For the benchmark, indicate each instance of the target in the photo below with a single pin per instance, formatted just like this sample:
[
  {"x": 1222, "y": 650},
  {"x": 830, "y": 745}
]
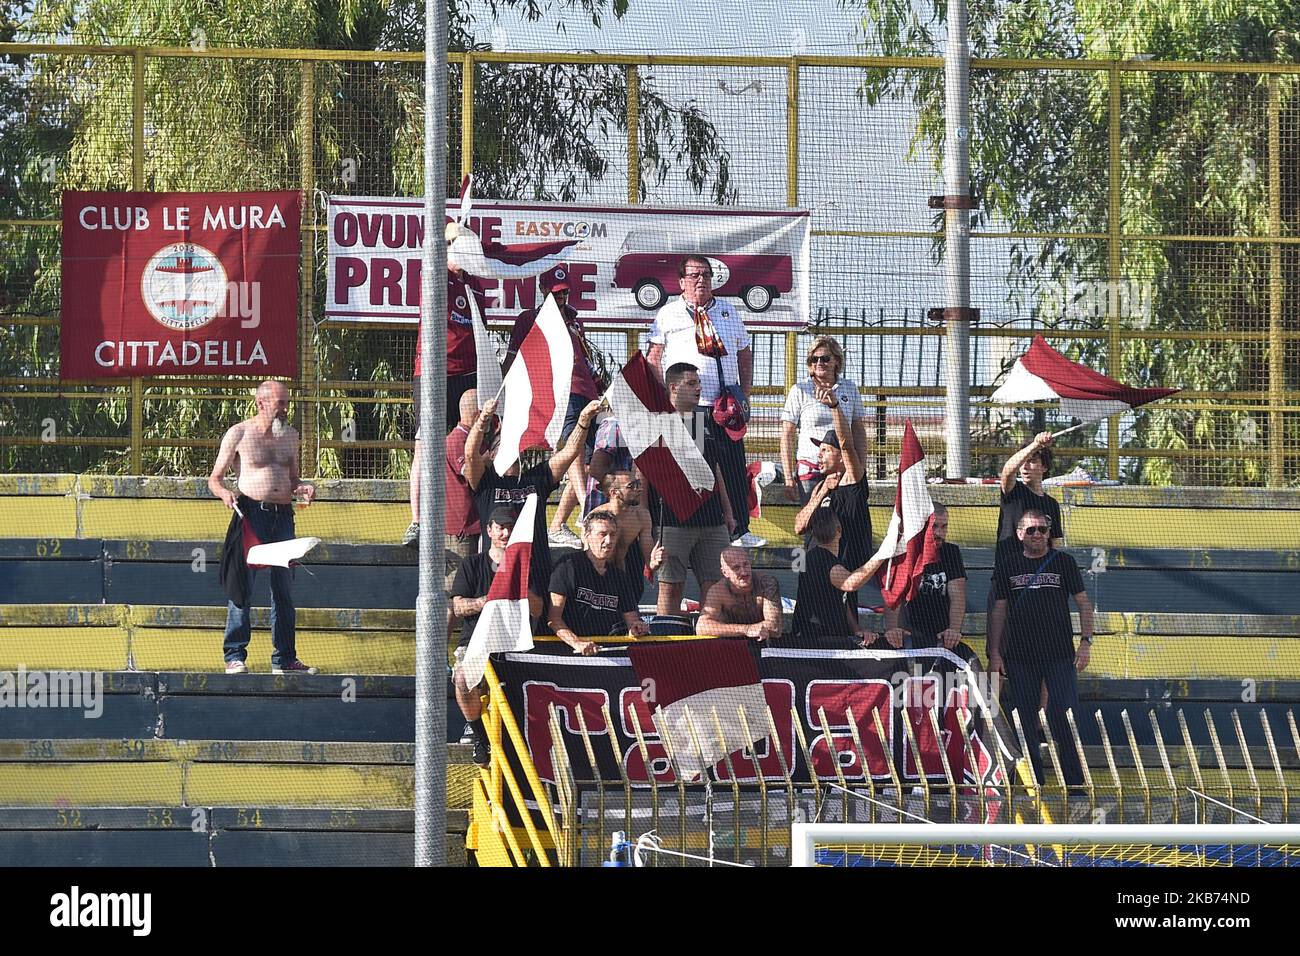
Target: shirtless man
[
  {"x": 742, "y": 604},
  {"x": 264, "y": 453},
  {"x": 634, "y": 543}
]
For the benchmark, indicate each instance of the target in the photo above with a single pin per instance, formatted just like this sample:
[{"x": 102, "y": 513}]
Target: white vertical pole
[{"x": 957, "y": 247}]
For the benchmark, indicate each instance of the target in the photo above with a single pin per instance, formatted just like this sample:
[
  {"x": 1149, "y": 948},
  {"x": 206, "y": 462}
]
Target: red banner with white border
[{"x": 179, "y": 284}]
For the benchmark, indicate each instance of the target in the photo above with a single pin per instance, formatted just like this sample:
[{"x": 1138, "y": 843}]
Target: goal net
[{"x": 1044, "y": 845}]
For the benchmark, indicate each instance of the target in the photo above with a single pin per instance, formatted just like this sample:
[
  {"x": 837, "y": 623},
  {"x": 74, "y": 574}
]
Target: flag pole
[{"x": 1072, "y": 428}]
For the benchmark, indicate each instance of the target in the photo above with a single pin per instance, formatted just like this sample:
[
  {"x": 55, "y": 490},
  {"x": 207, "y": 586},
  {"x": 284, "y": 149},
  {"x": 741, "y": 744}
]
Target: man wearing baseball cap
[
  {"x": 842, "y": 488},
  {"x": 582, "y": 390}
]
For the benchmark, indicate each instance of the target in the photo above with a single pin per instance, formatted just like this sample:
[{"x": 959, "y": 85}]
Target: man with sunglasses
[
  {"x": 1031, "y": 637},
  {"x": 707, "y": 332}
]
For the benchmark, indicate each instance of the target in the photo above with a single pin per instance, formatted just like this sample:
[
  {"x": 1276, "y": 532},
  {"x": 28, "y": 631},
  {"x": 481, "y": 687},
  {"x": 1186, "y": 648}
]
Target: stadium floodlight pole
[
  {"x": 956, "y": 164},
  {"x": 431, "y": 604}
]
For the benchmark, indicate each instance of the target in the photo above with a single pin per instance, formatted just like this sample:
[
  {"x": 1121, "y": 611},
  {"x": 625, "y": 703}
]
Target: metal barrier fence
[
  {"x": 730, "y": 821},
  {"x": 1155, "y": 242}
]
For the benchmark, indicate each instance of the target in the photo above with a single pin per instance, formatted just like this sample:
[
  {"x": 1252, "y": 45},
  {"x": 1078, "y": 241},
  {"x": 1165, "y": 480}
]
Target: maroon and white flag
[
  {"x": 494, "y": 260},
  {"x": 536, "y": 393},
  {"x": 657, "y": 438},
  {"x": 1044, "y": 374},
  {"x": 503, "y": 625},
  {"x": 698, "y": 690},
  {"x": 908, "y": 545}
]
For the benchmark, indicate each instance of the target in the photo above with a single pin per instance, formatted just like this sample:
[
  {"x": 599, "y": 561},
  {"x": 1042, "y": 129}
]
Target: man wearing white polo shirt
[{"x": 707, "y": 332}]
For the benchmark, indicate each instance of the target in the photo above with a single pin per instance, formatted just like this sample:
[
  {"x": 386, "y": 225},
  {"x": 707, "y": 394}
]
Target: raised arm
[
  {"x": 1012, "y": 467},
  {"x": 563, "y": 458},
  {"x": 824, "y": 487},
  {"x": 852, "y": 464},
  {"x": 475, "y": 463}
]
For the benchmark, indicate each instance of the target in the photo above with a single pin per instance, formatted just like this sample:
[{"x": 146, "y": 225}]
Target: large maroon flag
[
  {"x": 657, "y": 438},
  {"x": 1044, "y": 374},
  {"x": 909, "y": 545}
]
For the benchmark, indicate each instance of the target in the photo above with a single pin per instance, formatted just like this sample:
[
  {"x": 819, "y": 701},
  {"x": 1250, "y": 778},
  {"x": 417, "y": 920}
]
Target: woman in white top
[{"x": 804, "y": 418}]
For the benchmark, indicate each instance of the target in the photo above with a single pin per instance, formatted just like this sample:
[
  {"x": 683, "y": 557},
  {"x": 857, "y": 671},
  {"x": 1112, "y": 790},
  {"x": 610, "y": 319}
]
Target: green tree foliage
[
  {"x": 540, "y": 132},
  {"x": 1194, "y": 158}
]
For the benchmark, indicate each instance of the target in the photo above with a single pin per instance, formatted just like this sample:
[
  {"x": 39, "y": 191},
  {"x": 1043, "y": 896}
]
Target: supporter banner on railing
[
  {"x": 179, "y": 284},
  {"x": 849, "y": 687},
  {"x": 623, "y": 268}
]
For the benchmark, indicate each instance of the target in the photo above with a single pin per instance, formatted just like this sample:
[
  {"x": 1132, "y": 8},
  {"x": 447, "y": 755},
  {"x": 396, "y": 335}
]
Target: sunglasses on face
[
  {"x": 820, "y": 359},
  {"x": 694, "y": 276},
  {"x": 1036, "y": 529},
  {"x": 634, "y": 484}
]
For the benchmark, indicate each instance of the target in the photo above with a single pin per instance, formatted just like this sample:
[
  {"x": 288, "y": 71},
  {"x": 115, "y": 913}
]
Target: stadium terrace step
[
  {"x": 215, "y": 836},
  {"x": 90, "y": 506}
]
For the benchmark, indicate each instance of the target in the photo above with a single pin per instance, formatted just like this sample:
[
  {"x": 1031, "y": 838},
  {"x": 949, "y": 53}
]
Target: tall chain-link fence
[{"x": 1141, "y": 215}]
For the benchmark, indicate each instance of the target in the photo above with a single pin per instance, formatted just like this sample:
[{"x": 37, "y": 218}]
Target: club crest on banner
[{"x": 184, "y": 286}]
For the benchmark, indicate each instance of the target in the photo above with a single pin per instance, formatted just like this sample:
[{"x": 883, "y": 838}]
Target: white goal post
[{"x": 805, "y": 837}]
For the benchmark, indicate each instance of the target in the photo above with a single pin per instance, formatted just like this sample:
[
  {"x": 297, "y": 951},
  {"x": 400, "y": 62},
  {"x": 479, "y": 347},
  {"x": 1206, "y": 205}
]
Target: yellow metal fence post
[
  {"x": 1276, "y": 343},
  {"x": 137, "y": 183},
  {"x": 633, "y": 135},
  {"x": 467, "y": 116},
  {"x": 1114, "y": 348},
  {"x": 308, "y": 404}
]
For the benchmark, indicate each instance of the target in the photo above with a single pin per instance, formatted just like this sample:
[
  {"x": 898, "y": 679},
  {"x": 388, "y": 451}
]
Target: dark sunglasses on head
[
  {"x": 820, "y": 359},
  {"x": 1035, "y": 529}
]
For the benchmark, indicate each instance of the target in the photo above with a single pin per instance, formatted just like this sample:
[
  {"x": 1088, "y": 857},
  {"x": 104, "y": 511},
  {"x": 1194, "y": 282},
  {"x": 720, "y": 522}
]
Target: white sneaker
[
  {"x": 236, "y": 667},
  {"x": 564, "y": 538},
  {"x": 749, "y": 540}
]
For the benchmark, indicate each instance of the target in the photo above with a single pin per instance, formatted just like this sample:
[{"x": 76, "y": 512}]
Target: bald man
[
  {"x": 263, "y": 451},
  {"x": 461, "y": 527},
  {"x": 742, "y": 603}
]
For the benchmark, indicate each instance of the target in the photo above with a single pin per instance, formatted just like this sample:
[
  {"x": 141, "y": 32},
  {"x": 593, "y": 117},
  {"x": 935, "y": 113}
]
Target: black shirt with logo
[
  {"x": 494, "y": 490},
  {"x": 927, "y": 613},
  {"x": 1014, "y": 504},
  {"x": 594, "y": 603},
  {"x": 1038, "y": 626}
]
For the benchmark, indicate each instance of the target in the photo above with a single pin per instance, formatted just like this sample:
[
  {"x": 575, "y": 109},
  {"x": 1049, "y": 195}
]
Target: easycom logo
[{"x": 75, "y": 909}]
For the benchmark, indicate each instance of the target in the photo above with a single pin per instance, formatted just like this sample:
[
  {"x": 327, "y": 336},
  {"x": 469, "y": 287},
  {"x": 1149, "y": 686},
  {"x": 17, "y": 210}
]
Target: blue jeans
[{"x": 269, "y": 526}]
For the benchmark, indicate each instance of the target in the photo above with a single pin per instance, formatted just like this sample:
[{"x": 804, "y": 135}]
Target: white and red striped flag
[
  {"x": 1044, "y": 374},
  {"x": 536, "y": 393},
  {"x": 503, "y": 625},
  {"x": 697, "y": 690},
  {"x": 908, "y": 545},
  {"x": 657, "y": 438}
]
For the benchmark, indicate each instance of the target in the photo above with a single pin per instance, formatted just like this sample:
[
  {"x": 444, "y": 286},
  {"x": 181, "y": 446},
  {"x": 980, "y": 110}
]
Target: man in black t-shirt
[
  {"x": 1031, "y": 463},
  {"x": 843, "y": 489},
  {"x": 491, "y": 490},
  {"x": 824, "y": 614},
  {"x": 589, "y": 596},
  {"x": 1031, "y": 638},
  {"x": 934, "y": 617},
  {"x": 468, "y": 596}
]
